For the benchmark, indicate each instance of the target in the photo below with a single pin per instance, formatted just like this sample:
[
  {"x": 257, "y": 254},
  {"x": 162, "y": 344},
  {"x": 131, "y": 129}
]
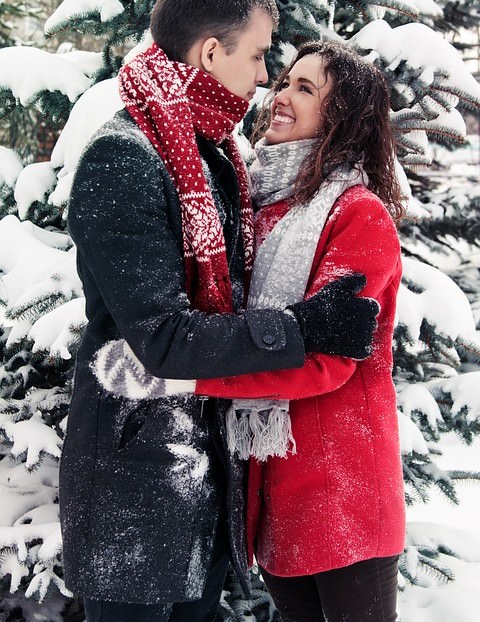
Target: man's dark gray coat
[{"x": 142, "y": 483}]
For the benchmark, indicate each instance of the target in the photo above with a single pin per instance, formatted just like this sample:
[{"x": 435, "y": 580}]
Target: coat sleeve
[
  {"x": 121, "y": 220},
  {"x": 362, "y": 239}
]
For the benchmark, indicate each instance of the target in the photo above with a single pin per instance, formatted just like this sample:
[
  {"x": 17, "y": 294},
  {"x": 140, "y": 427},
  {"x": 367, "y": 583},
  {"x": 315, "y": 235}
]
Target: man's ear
[{"x": 209, "y": 48}]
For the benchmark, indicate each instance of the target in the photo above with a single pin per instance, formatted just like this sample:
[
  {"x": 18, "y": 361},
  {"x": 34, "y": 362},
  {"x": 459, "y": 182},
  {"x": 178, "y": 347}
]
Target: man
[{"x": 161, "y": 218}]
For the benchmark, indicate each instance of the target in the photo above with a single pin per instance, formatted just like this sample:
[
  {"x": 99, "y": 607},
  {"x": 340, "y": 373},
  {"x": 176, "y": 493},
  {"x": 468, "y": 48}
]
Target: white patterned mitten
[{"x": 119, "y": 371}]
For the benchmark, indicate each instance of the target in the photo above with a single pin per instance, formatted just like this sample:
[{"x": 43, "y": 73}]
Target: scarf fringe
[{"x": 260, "y": 433}]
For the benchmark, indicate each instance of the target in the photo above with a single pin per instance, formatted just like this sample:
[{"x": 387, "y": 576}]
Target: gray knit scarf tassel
[{"x": 262, "y": 428}]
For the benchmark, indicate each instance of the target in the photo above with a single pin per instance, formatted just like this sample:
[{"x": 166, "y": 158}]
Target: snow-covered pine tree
[
  {"x": 26, "y": 130},
  {"x": 437, "y": 341},
  {"x": 42, "y": 311},
  {"x": 41, "y": 304}
]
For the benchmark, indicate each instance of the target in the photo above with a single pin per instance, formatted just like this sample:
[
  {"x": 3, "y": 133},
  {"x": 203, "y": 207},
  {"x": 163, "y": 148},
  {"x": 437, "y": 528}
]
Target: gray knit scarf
[
  {"x": 259, "y": 428},
  {"x": 275, "y": 168},
  {"x": 262, "y": 428}
]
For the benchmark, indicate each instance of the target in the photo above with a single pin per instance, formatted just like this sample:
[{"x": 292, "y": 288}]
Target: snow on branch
[
  {"x": 42, "y": 292},
  {"x": 431, "y": 296},
  {"x": 44, "y": 296},
  {"x": 412, "y": 8},
  {"x": 450, "y": 121},
  {"x": 44, "y": 576},
  {"x": 308, "y": 16},
  {"x": 31, "y": 437},
  {"x": 10, "y": 565},
  {"x": 28, "y": 71},
  {"x": 82, "y": 9},
  {"x": 55, "y": 239},
  {"x": 421, "y": 566},
  {"x": 94, "y": 108},
  {"x": 420, "y": 48},
  {"x": 413, "y": 148},
  {"x": 442, "y": 405},
  {"x": 18, "y": 554},
  {"x": 33, "y": 184},
  {"x": 24, "y": 493},
  {"x": 30, "y": 537},
  {"x": 411, "y": 439},
  {"x": 10, "y": 167},
  {"x": 26, "y": 261},
  {"x": 428, "y": 8},
  {"x": 440, "y": 537},
  {"x": 421, "y": 475},
  {"x": 418, "y": 405},
  {"x": 448, "y": 128},
  {"x": 463, "y": 393},
  {"x": 57, "y": 331},
  {"x": 429, "y": 79},
  {"x": 43, "y": 400}
]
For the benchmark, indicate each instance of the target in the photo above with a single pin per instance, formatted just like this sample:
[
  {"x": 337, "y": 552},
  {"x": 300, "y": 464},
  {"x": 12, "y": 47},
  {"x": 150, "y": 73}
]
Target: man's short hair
[{"x": 177, "y": 24}]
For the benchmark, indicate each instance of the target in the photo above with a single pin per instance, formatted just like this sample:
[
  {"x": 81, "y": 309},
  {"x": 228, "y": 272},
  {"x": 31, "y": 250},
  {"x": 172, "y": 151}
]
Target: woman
[
  {"x": 325, "y": 513},
  {"x": 327, "y": 523}
]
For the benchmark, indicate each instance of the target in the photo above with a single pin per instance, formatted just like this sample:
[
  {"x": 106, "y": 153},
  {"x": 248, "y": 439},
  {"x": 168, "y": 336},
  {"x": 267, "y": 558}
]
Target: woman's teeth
[{"x": 279, "y": 118}]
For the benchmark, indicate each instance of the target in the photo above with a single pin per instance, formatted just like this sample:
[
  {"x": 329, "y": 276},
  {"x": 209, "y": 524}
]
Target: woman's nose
[{"x": 283, "y": 96}]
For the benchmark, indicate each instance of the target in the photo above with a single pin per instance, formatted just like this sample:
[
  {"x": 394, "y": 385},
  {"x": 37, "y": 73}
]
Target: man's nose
[{"x": 262, "y": 74}]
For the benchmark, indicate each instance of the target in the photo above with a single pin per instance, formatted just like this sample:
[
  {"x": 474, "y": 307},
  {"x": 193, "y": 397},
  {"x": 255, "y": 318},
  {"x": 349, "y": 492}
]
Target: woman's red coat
[{"x": 340, "y": 498}]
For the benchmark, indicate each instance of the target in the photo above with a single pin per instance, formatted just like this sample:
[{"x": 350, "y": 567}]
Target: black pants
[
  {"x": 362, "y": 592},
  {"x": 202, "y": 610}
]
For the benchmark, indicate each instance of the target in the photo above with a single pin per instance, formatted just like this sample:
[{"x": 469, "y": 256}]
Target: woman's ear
[{"x": 209, "y": 48}]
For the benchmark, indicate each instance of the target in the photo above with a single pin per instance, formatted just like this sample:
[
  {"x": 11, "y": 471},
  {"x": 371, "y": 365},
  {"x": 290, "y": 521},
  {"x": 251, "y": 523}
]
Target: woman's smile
[{"x": 282, "y": 119}]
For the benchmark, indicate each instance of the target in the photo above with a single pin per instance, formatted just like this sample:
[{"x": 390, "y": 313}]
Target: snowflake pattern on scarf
[{"x": 171, "y": 102}]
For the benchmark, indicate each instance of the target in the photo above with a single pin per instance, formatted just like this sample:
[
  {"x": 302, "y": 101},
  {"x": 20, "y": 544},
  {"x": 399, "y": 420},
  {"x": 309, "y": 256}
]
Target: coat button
[{"x": 269, "y": 340}]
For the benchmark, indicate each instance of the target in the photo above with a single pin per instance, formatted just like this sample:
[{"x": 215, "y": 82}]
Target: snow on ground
[
  {"x": 458, "y": 601},
  {"x": 439, "y": 519}
]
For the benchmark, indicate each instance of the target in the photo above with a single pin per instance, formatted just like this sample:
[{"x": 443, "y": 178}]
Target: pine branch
[
  {"x": 468, "y": 477},
  {"x": 422, "y": 559},
  {"x": 420, "y": 474},
  {"x": 39, "y": 306}
]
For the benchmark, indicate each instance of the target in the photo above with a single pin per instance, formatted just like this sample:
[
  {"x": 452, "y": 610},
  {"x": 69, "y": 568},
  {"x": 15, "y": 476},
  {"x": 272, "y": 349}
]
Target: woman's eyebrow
[{"x": 306, "y": 80}]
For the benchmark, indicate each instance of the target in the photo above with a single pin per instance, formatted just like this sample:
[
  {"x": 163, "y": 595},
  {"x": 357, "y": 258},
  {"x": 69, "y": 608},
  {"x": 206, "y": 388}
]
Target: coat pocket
[
  {"x": 152, "y": 493},
  {"x": 132, "y": 426},
  {"x": 131, "y": 430},
  {"x": 139, "y": 437}
]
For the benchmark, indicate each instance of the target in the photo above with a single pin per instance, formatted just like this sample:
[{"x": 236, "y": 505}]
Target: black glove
[{"x": 336, "y": 321}]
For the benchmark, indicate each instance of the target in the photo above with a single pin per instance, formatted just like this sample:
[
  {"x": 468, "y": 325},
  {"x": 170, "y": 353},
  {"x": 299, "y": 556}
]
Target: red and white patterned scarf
[{"x": 171, "y": 102}]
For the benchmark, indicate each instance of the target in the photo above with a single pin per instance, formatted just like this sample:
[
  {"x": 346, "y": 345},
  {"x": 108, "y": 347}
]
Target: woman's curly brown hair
[{"x": 356, "y": 125}]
